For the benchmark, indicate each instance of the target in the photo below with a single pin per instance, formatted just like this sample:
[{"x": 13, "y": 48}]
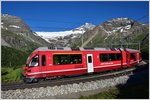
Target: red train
[{"x": 45, "y": 62}]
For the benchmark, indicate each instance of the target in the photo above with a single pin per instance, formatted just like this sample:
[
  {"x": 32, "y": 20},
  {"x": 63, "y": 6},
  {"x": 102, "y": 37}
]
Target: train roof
[{"x": 83, "y": 49}]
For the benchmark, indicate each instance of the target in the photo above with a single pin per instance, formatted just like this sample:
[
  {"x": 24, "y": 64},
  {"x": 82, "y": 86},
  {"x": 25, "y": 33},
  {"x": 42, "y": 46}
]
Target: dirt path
[{"x": 89, "y": 39}]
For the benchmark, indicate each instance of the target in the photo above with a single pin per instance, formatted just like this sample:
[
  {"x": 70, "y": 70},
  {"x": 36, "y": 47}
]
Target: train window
[
  {"x": 132, "y": 56},
  {"x": 67, "y": 59},
  {"x": 110, "y": 57},
  {"x": 75, "y": 59},
  {"x": 89, "y": 59},
  {"x": 43, "y": 60},
  {"x": 118, "y": 56},
  {"x": 103, "y": 57},
  {"x": 34, "y": 61}
]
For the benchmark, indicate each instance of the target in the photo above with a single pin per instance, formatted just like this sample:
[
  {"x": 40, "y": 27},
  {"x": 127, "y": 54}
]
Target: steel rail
[{"x": 76, "y": 79}]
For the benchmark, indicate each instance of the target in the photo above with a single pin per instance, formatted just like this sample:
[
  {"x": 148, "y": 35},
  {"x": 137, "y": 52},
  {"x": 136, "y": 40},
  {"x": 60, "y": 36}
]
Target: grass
[
  {"x": 137, "y": 91},
  {"x": 11, "y": 75}
]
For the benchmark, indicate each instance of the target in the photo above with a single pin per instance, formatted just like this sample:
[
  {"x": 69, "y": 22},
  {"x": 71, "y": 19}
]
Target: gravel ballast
[
  {"x": 62, "y": 89},
  {"x": 75, "y": 88}
]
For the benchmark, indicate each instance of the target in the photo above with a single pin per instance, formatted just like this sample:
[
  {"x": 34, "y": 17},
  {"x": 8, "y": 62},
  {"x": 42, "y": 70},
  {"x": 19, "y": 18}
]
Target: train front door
[{"x": 89, "y": 63}]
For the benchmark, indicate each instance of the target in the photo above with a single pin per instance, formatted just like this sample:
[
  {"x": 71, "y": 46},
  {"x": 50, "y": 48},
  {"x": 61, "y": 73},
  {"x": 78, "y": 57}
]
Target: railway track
[{"x": 77, "y": 79}]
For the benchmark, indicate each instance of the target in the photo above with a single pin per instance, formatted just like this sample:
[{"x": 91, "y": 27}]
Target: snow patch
[
  {"x": 118, "y": 28},
  {"x": 35, "y": 34},
  {"x": 114, "y": 30},
  {"x": 128, "y": 27},
  {"x": 14, "y": 26},
  {"x": 48, "y": 40},
  {"x": 5, "y": 15},
  {"x": 121, "y": 30},
  {"x": 58, "y": 34},
  {"x": 122, "y": 18},
  {"x": 4, "y": 27},
  {"x": 74, "y": 37},
  {"x": 109, "y": 24}
]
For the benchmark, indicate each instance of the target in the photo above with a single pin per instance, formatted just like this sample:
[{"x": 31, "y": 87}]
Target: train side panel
[
  {"x": 63, "y": 63},
  {"x": 53, "y": 69},
  {"x": 109, "y": 64}
]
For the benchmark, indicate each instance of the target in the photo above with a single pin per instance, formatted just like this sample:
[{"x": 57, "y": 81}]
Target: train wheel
[
  {"x": 28, "y": 80},
  {"x": 35, "y": 80}
]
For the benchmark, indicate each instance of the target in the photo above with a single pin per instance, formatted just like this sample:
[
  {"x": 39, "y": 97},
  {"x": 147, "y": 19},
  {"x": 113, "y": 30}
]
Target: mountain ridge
[
  {"x": 17, "y": 34},
  {"x": 113, "y": 31}
]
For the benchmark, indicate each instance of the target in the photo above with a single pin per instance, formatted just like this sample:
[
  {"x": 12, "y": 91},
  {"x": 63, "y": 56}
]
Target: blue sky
[{"x": 60, "y": 16}]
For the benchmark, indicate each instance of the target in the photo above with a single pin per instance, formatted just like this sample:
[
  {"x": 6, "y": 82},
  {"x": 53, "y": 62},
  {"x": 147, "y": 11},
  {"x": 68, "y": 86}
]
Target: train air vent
[
  {"x": 75, "y": 48},
  {"x": 89, "y": 48},
  {"x": 112, "y": 49},
  {"x": 63, "y": 48},
  {"x": 51, "y": 48},
  {"x": 41, "y": 48},
  {"x": 99, "y": 48}
]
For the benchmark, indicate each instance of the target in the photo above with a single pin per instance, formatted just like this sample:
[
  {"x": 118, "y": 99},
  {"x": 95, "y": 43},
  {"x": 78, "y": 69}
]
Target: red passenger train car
[{"x": 46, "y": 63}]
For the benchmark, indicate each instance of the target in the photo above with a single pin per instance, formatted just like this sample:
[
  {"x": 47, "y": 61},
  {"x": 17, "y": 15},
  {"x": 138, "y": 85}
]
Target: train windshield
[{"x": 34, "y": 61}]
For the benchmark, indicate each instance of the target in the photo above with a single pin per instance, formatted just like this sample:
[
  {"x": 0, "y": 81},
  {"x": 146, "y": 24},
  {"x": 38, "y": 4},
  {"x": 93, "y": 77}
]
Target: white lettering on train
[{"x": 107, "y": 63}]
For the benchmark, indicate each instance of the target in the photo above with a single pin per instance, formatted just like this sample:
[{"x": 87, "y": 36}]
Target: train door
[
  {"x": 89, "y": 63},
  {"x": 43, "y": 64}
]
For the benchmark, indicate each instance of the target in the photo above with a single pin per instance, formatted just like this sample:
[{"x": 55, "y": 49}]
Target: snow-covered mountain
[
  {"x": 53, "y": 35},
  {"x": 114, "y": 31},
  {"x": 79, "y": 30},
  {"x": 62, "y": 38}
]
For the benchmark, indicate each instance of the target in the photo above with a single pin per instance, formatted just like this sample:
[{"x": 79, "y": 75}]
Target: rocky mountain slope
[
  {"x": 17, "y": 34},
  {"x": 114, "y": 31}
]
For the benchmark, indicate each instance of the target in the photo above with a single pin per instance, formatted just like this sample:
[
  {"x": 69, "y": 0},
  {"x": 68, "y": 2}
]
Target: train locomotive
[{"x": 47, "y": 63}]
